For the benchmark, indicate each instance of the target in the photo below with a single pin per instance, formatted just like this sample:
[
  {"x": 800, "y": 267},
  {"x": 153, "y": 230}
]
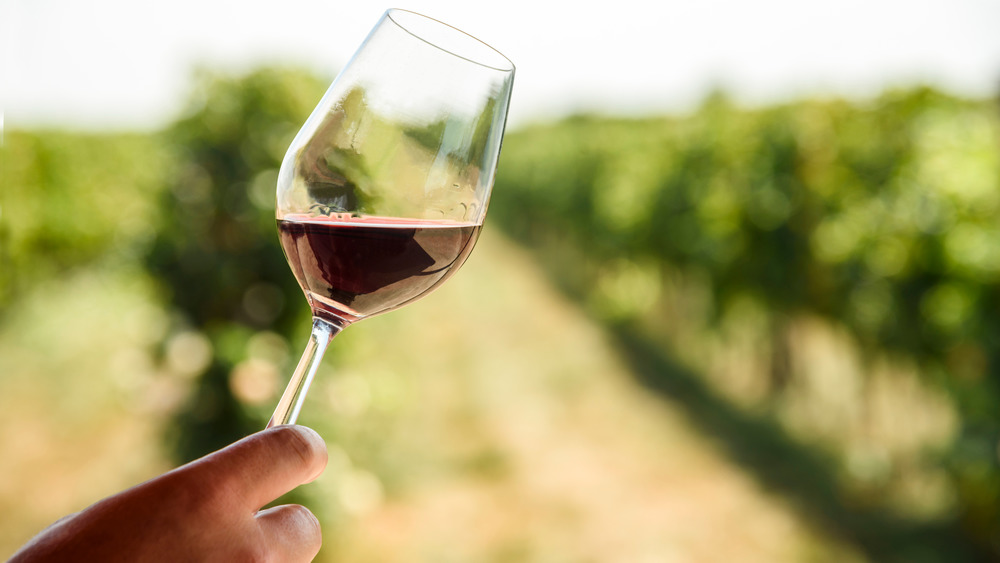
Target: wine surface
[{"x": 355, "y": 267}]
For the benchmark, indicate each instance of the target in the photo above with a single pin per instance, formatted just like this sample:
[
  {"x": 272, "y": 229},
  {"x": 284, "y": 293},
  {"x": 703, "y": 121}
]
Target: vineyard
[{"x": 786, "y": 319}]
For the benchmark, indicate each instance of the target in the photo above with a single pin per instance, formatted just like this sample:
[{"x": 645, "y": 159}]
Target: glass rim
[{"x": 396, "y": 15}]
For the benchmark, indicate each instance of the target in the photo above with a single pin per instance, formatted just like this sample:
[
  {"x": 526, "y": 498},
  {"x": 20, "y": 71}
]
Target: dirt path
[
  {"x": 490, "y": 422},
  {"x": 536, "y": 445}
]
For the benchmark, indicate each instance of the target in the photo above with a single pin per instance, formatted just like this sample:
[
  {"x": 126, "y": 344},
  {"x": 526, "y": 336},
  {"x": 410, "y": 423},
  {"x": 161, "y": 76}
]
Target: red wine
[{"x": 355, "y": 267}]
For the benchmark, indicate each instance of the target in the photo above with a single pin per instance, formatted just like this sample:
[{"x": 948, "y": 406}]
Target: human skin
[{"x": 207, "y": 510}]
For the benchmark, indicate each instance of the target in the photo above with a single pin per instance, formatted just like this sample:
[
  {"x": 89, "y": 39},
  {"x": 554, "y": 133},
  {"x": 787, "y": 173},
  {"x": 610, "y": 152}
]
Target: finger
[
  {"x": 292, "y": 531},
  {"x": 265, "y": 465}
]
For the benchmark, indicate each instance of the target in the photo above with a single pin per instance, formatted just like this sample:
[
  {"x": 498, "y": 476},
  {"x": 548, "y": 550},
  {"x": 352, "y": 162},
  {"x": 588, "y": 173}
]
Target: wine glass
[{"x": 383, "y": 192}]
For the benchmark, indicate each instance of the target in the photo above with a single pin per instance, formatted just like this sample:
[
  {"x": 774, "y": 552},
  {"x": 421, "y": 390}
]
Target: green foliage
[
  {"x": 881, "y": 217},
  {"x": 216, "y": 250},
  {"x": 71, "y": 199}
]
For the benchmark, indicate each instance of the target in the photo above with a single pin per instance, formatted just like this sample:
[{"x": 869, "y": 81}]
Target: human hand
[{"x": 207, "y": 510}]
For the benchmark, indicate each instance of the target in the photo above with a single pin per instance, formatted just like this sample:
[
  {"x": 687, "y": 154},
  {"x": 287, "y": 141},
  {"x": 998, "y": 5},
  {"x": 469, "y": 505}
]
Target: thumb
[{"x": 266, "y": 465}]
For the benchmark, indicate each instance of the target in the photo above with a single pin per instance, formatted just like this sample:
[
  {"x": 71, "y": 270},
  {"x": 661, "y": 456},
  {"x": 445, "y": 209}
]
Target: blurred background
[{"x": 737, "y": 298}]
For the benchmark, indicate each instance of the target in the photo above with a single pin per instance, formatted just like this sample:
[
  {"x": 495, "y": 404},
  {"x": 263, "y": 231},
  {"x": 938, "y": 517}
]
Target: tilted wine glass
[{"x": 383, "y": 192}]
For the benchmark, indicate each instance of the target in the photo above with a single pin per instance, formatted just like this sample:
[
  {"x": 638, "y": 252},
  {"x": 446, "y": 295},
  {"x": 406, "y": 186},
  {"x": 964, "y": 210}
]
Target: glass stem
[{"x": 288, "y": 408}]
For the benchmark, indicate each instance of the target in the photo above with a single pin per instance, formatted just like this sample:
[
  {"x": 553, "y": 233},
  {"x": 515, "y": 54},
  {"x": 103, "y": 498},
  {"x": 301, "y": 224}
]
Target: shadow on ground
[{"x": 785, "y": 466}]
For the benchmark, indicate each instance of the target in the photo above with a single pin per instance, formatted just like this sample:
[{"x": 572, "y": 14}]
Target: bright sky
[{"x": 126, "y": 63}]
